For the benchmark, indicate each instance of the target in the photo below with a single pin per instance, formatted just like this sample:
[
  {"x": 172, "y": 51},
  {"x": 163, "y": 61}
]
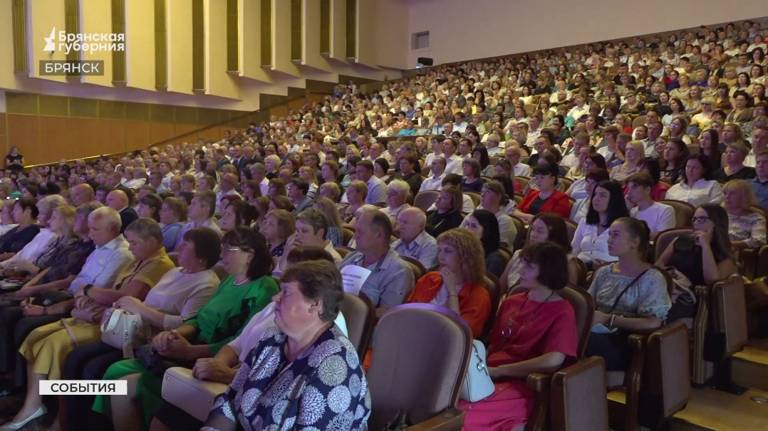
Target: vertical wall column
[{"x": 179, "y": 49}]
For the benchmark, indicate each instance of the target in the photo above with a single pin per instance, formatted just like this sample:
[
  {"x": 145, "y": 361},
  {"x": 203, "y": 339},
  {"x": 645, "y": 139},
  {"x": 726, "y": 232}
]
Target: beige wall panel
[
  {"x": 96, "y": 17},
  {"x": 249, "y": 42},
  {"x": 281, "y": 38},
  {"x": 140, "y": 44},
  {"x": 497, "y": 27},
  {"x": 7, "y": 78},
  {"x": 42, "y": 17},
  {"x": 179, "y": 33},
  {"x": 338, "y": 30},
  {"x": 366, "y": 17},
  {"x": 310, "y": 33},
  {"x": 217, "y": 81}
]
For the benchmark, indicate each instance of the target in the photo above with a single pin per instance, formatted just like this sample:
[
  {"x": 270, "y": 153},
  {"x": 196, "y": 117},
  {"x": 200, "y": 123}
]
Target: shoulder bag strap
[{"x": 616, "y": 302}]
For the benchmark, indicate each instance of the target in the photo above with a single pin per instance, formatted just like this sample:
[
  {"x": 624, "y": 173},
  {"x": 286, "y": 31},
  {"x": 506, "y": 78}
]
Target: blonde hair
[
  {"x": 745, "y": 188},
  {"x": 328, "y": 207},
  {"x": 470, "y": 253},
  {"x": 67, "y": 212}
]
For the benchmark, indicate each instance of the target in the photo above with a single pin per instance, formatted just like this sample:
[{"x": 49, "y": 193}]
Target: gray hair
[
  {"x": 400, "y": 186},
  {"x": 51, "y": 202},
  {"x": 111, "y": 216},
  {"x": 87, "y": 208},
  {"x": 146, "y": 228}
]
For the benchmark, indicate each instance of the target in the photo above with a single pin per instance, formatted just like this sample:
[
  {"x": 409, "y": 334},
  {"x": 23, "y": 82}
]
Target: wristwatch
[{"x": 86, "y": 288}]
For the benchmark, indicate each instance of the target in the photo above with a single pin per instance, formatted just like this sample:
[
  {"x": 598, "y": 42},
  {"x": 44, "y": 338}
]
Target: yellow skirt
[{"x": 47, "y": 347}]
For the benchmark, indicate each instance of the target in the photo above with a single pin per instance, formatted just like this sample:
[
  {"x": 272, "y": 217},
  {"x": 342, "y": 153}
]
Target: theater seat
[
  {"x": 683, "y": 212},
  {"x": 664, "y": 238},
  {"x": 584, "y": 309},
  {"x": 660, "y": 371},
  {"x": 425, "y": 199},
  {"x": 417, "y": 267},
  {"x": 194, "y": 396},
  {"x": 360, "y": 318},
  {"x": 412, "y": 379},
  {"x": 578, "y": 397}
]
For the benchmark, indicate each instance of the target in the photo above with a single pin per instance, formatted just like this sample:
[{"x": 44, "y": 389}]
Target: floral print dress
[{"x": 324, "y": 388}]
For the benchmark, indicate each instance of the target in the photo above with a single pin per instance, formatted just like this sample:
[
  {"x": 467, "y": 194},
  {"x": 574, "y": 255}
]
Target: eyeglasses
[
  {"x": 233, "y": 249},
  {"x": 699, "y": 219}
]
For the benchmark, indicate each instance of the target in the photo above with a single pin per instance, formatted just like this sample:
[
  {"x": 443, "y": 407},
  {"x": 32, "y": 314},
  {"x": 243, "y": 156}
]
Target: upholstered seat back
[{"x": 420, "y": 356}]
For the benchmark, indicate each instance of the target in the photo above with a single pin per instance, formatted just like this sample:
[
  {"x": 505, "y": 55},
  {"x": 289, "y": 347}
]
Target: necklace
[{"x": 512, "y": 327}]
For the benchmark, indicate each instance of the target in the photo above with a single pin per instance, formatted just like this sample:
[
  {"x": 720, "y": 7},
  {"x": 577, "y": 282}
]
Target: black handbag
[{"x": 153, "y": 361}]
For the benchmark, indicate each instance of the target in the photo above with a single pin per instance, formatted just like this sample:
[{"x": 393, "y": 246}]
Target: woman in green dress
[{"x": 248, "y": 288}]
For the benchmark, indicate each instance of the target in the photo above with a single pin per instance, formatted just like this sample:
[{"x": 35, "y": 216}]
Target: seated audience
[
  {"x": 334, "y": 232},
  {"x": 25, "y": 214},
  {"x": 494, "y": 199},
  {"x": 173, "y": 213},
  {"x": 659, "y": 217},
  {"x": 485, "y": 226},
  {"x": 546, "y": 198},
  {"x": 447, "y": 212},
  {"x": 746, "y": 223},
  {"x": 650, "y": 166},
  {"x": 277, "y": 227},
  {"x": 590, "y": 241},
  {"x": 391, "y": 278},
  {"x": 733, "y": 168},
  {"x": 397, "y": 199},
  {"x": 630, "y": 295},
  {"x": 534, "y": 331},
  {"x": 46, "y": 347},
  {"x": 695, "y": 187},
  {"x": 248, "y": 288},
  {"x": 413, "y": 241},
  {"x": 356, "y": 196},
  {"x": 698, "y": 259},
  {"x": 200, "y": 214},
  {"x": 760, "y": 182},
  {"x": 304, "y": 343},
  {"x": 176, "y": 298},
  {"x": 544, "y": 227},
  {"x": 458, "y": 281},
  {"x": 634, "y": 154}
]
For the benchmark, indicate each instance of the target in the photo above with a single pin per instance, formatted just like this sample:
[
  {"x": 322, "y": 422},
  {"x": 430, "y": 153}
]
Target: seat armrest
[
  {"x": 447, "y": 420},
  {"x": 700, "y": 328},
  {"x": 538, "y": 382}
]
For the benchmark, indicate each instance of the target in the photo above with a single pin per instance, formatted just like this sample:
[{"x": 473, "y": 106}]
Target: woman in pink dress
[{"x": 535, "y": 331}]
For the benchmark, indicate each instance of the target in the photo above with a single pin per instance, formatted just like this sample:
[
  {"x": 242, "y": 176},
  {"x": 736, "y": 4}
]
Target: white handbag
[
  {"x": 122, "y": 330},
  {"x": 477, "y": 383}
]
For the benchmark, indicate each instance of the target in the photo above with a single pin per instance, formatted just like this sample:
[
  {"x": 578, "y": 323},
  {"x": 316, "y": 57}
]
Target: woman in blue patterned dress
[{"x": 304, "y": 374}]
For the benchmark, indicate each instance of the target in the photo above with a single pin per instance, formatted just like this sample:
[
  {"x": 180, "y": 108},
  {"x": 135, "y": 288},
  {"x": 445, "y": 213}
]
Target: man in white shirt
[
  {"x": 513, "y": 154},
  {"x": 259, "y": 174},
  {"x": 414, "y": 242},
  {"x": 759, "y": 144},
  {"x": 111, "y": 254},
  {"x": 453, "y": 162},
  {"x": 659, "y": 217},
  {"x": 581, "y": 107},
  {"x": 437, "y": 171}
]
